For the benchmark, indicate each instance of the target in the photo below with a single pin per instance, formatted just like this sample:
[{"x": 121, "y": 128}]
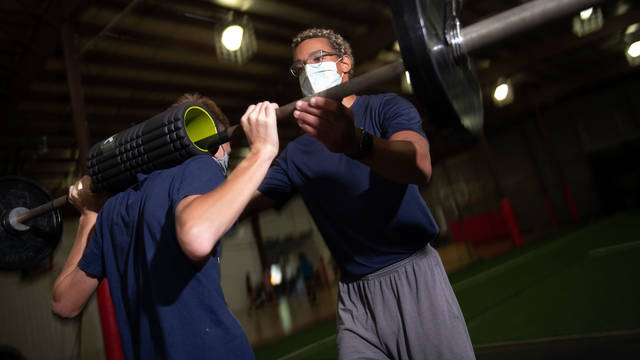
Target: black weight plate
[
  {"x": 445, "y": 85},
  {"x": 21, "y": 250}
]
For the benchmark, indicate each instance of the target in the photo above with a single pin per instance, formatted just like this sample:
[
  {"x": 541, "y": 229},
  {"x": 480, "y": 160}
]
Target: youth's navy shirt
[
  {"x": 166, "y": 307},
  {"x": 367, "y": 221}
]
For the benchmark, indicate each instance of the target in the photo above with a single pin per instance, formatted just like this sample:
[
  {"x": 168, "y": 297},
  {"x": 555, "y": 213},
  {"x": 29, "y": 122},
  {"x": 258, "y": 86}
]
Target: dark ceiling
[{"x": 137, "y": 57}]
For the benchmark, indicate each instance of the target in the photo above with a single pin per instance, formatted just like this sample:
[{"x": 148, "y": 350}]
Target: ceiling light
[
  {"x": 632, "y": 44},
  {"x": 232, "y": 37},
  {"x": 503, "y": 93},
  {"x": 585, "y": 14},
  {"x": 621, "y": 8},
  {"x": 235, "y": 39},
  {"x": 588, "y": 21},
  {"x": 634, "y": 49}
]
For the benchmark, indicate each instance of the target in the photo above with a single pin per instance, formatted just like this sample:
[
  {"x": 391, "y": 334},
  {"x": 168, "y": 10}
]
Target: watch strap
[{"x": 365, "y": 140}]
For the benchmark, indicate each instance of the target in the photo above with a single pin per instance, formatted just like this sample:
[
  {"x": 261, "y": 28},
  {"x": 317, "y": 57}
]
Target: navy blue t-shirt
[
  {"x": 165, "y": 306},
  {"x": 367, "y": 221}
]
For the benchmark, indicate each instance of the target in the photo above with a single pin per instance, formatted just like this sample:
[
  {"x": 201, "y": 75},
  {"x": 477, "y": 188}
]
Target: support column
[
  {"x": 257, "y": 235},
  {"x": 76, "y": 95},
  {"x": 538, "y": 170},
  {"x": 110, "y": 333},
  {"x": 555, "y": 164},
  {"x": 505, "y": 205},
  {"x": 459, "y": 214}
]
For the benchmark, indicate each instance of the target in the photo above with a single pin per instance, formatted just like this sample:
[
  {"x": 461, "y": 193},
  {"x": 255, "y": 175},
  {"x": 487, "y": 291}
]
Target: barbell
[{"x": 435, "y": 51}]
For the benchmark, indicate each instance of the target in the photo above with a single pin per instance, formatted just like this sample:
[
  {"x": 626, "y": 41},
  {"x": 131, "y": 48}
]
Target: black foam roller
[{"x": 157, "y": 143}]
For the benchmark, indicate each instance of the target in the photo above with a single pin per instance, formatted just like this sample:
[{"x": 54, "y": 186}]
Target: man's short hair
[
  {"x": 337, "y": 42},
  {"x": 211, "y": 105}
]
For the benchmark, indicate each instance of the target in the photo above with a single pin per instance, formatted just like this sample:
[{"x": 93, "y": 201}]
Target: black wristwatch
[{"x": 366, "y": 142}]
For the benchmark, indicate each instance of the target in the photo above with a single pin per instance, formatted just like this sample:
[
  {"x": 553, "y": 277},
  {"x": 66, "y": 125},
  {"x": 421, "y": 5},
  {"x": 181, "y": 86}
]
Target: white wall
[
  {"x": 26, "y": 321},
  {"x": 240, "y": 253}
]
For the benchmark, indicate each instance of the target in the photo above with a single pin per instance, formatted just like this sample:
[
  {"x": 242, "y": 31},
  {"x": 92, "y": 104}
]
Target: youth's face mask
[{"x": 223, "y": 161}]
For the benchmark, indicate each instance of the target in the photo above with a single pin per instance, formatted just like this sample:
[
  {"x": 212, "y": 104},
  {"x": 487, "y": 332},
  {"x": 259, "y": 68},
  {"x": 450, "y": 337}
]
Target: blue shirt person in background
[
  {"x": 357, "y": 168},
  {"x": 158, "y": 245},
  {"x": 305, "y": 270}
]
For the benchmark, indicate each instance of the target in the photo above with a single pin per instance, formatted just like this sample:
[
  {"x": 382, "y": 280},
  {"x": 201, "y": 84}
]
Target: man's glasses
[{"x": 315, "y": 58}]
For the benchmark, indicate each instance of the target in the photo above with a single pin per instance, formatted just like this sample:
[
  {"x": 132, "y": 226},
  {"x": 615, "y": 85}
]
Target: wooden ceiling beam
[
  {"x": 294, "y": 16},
  {"x": 110, "y": 59},
  {"x": 358, "y": 12},
  {"x": 205, "y": 14},
  {"x": 241, "y": 90},
  {"x": 45, "y": 39},
  {"x": 269, "y": 52},
  {"x": 33, "y": 142}
]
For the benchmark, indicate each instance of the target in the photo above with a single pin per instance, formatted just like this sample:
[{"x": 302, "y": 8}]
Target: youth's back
[{"x": 165, "y": 305}]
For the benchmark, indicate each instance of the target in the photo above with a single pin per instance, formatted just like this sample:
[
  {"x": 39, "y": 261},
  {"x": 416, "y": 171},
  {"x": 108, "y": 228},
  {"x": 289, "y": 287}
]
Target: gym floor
[{"x": 573, "y": 295}]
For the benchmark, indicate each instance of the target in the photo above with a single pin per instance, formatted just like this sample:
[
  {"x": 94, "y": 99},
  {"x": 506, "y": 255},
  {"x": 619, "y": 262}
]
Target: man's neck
[{"x": 347, "y": 101}]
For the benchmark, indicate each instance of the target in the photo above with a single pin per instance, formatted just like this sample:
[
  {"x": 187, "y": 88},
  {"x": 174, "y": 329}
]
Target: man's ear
[{"x": 345, "y": 64}]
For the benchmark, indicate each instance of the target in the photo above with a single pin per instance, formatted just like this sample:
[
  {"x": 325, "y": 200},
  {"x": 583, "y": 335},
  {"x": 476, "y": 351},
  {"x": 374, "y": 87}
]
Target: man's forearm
[{"x": 402, "y": 160}]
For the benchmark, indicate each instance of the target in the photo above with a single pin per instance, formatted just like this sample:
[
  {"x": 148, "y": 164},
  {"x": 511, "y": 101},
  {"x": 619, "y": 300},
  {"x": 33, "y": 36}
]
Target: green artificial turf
[
  {"x": 300, "y": 340},
  {"x": 558, "y": 288},
  {"x": 581, "y": 281}
]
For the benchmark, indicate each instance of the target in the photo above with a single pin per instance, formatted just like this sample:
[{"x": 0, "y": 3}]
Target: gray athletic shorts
[{"x": 404, "y": 311}]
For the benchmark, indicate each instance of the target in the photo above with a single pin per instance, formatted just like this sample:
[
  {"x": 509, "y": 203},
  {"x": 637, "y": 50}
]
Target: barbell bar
[{"x": 434, "y": 50}]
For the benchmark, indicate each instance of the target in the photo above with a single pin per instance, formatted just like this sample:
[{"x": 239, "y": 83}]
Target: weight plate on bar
[
  {"x": 442, "y": 75},
  {"x": 26, "y": 248}
]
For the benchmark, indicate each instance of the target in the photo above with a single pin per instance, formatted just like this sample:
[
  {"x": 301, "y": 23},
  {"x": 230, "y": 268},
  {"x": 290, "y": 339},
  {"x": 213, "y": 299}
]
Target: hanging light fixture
[
  {"x": 587, "y": 21},
  {"x": 503, "y": 93},
  {"x": 235, "y": 40},
  {"x": 632, "y": 44}
]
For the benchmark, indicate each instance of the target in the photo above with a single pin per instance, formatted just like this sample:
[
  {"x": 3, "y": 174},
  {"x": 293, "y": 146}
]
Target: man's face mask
[{"x": 319, "y": 77}]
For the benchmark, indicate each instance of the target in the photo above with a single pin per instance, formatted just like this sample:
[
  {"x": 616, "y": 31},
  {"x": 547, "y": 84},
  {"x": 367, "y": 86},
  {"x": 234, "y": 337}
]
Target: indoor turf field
[{"x": 574, "y": 295}]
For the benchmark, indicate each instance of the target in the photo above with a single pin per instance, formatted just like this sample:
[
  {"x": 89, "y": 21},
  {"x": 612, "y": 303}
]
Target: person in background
[{"x": 305, "y": 269}]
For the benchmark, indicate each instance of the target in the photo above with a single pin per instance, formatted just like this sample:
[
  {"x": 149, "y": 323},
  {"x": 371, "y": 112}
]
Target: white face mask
[
  {"x": 223, "y": 161},
  {"x": 318, "y": 77}
]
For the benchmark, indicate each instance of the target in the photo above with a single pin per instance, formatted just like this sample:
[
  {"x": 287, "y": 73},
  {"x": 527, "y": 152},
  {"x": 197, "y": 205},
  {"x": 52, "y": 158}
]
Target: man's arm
[
  {"x": 73, "y": 287},
  {"x": 403, "y": 158},
  {"x": 202, "y": 219},
  {"x": 258, "y": 203}
]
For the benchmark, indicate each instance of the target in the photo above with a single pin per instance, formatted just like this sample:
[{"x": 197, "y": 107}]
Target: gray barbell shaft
[
  {"x": 523, "y": 17},
  {"x": 42, "y": 209}
]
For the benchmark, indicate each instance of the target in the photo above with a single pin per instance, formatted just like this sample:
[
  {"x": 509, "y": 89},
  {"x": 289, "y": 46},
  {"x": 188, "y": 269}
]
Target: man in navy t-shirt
[
  {"x": 357, "y": 169},
  {"x": 157, "y": 244}
]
